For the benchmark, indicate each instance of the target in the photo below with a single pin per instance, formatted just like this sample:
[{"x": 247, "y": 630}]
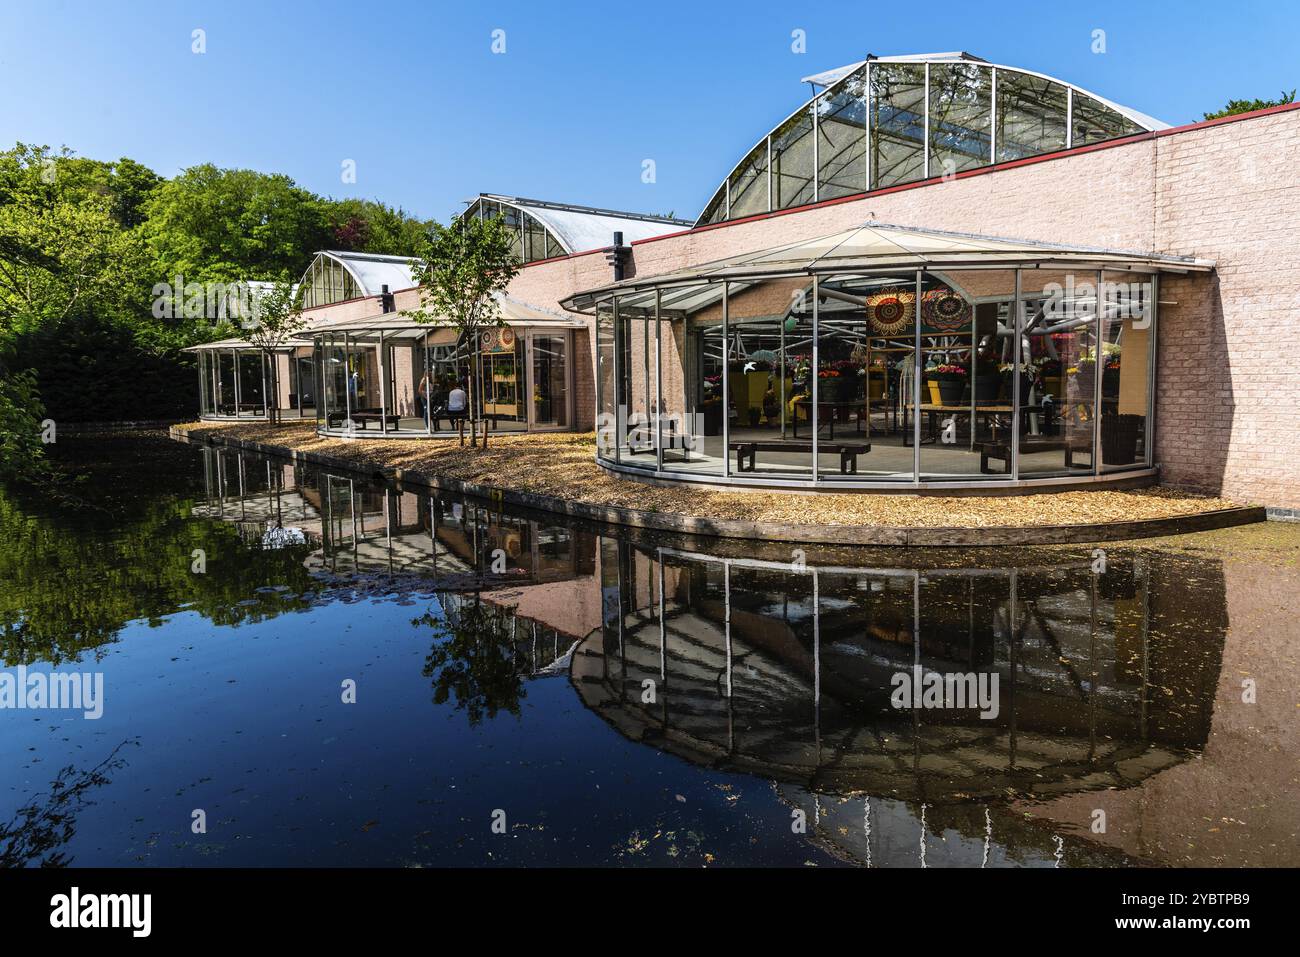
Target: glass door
[{"x": 548, "y": 381}]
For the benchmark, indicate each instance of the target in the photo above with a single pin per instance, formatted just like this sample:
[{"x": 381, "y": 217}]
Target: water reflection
[
  {"x": 785, "y": 669},
  {"x": 739, "y": 661},
  {"x": 788, "y": 673}
]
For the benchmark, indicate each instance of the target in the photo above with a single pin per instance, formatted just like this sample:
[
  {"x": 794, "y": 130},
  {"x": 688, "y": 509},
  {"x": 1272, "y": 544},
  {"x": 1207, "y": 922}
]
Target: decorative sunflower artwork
[
  {"x": 890, "y": 313},
  {"x": 944, "y": 311}
]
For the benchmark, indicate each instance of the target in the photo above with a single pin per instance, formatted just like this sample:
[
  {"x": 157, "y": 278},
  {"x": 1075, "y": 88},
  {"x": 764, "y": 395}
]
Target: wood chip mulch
[{"x": 563, "y": 465}]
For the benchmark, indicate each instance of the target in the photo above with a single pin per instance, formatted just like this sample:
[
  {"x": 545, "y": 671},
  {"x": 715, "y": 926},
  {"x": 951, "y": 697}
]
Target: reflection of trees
[
  {"x": 73, "y": 581},
  {"x": 37, "y": 829},
  {"x": 474, "y": 659}
]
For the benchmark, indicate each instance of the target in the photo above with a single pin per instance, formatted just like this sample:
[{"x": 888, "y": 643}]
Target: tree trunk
[
  {"x": 481, "y": 385},
  {"x": 473, "y": 395}
]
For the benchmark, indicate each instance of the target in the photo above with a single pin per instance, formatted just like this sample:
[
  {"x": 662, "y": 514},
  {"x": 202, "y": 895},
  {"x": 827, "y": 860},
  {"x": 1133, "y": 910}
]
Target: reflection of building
[
  {"x": 357, "y": 527},
  {"x": 788, "y": 675}
]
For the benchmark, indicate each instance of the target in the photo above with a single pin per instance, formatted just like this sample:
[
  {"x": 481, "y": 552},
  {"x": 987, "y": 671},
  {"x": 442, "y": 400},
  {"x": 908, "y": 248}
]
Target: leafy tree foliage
[
  {"x": 83, "y": 243},
  {"x": 1249, "y": 106}
]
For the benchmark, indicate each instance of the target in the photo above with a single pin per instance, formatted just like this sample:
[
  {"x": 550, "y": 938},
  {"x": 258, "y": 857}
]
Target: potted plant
[{"x": 951, "y": 378}]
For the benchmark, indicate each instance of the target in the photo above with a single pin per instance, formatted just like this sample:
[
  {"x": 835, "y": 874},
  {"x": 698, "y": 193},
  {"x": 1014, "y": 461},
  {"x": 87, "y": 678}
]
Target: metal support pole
[
  {"x": 916, "y": 382},
  {"x": 726, "y": 382},
  {"x": 1017, "y": 324},
  {"x": 816, "y": 369},
  {"x": 659, "y": 385}
]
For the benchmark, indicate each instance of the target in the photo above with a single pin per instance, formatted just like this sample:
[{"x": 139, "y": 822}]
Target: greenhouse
[
  {"x": 888, "y": 121},
  {"x": 883, "y": 356}
]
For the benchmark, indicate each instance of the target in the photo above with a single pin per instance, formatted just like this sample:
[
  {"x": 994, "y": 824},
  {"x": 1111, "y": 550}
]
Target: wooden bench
[
  {"x": 335, "y": 419},
  {"x": 747, "y": 451},
  {"x": 230, "y": 408},
  {"x": 383, "y": 418},
  {"x": 670, "y": 437},
  {"x": 1028, "y": 444}
]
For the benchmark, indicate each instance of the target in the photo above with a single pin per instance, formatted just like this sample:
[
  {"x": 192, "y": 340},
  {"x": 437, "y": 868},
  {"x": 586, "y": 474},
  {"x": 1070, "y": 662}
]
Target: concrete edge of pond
[{"x": 972, "y": 536}]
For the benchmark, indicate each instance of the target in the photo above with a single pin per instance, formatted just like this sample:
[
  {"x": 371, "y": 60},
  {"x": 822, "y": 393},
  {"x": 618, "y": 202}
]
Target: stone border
[{"x": 728, "y": 528}]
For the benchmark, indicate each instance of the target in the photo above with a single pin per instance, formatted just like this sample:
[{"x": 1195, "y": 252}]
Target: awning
[{"x": 875, "y": 247}]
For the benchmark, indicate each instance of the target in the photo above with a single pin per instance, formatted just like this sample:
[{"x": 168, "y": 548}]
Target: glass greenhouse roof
[
  {"x": 546, "y": 230},
  {"x": 886, "y": 121}
]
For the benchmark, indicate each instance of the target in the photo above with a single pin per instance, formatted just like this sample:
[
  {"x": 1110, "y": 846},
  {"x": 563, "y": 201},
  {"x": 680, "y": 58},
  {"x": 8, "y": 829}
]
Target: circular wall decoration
[
  {"x": 506, "y": 337},
  {"x": 945, "y": 311},
  {"x": 486, "y": 339},
  {"x": 889, "y": 313}
]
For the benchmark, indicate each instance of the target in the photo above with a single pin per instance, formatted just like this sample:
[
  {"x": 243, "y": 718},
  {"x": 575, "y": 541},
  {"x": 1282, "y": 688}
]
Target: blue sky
[{"x": 584, "y": 92}]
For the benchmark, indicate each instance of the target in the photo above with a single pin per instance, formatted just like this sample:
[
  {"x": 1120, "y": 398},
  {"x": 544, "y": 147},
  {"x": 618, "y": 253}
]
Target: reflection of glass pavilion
[
  {"x": 883, "y": 355},
  {"x": 787, "y": 675}
]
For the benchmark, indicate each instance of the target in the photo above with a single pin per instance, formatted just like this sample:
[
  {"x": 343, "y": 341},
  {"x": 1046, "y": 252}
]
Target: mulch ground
[{"x": 563, "y": 465}]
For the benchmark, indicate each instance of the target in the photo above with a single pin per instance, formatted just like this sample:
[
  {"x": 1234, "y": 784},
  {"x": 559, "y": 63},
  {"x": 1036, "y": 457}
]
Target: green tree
[
  {"x": 460, "y": 270},
  {"x": 63, "y": 249},
  {"x": 1235, "y": 107},
  {"x": 277, "y": 317},
  {"x": 362, "y": 225},
  {"x": 229, "y": 225}
]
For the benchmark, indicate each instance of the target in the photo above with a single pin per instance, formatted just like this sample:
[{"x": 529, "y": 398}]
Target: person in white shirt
[{"x": 457, "y": 403}]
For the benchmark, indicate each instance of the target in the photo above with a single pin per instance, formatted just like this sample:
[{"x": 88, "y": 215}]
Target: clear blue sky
[{"x": 583, "y": 94}]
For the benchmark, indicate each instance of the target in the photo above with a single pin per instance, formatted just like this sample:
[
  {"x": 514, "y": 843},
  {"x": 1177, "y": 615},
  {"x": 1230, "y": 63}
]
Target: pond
[{"x": 284, "y": 665}]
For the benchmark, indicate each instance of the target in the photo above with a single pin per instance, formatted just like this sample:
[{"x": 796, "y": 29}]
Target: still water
[{"x": 301, "y": 668}]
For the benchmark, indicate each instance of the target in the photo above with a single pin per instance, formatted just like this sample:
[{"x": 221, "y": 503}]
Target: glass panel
[
  {"x": 606, "y": 424},
  {"x": 503, "y": 382},
  {"x": 336, "y": 382},
  {"x": 842, "y": 138},
  {"x": 1059, "y": 346},
  {"x": 1094, "y": 122},
  {"x": 770, "y": 325},
  {"x": 716, "y": 211},
  {"x": 636, "y": 369},
  {"x": 866, "y": 326},
  {"x": 1127, "y": 312},
  {"x": 792, "y": 162},
  {"x": 749, "y": 184},
  {"x": 550, "y": 380},
  {"x": 897, "y": 123},
  {"x": 250, "y": 383},
  {"x": 967, "y": 408},
  {"x": 961, "y": 117},
  {"x": 693, "y": 404},
  {"x": 1031, "y": 115}
]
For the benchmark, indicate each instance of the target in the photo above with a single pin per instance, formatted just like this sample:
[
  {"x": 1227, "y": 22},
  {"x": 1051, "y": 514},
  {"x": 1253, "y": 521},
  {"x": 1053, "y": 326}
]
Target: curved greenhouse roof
[
  {"x": 336, "y": 276},
  {"x": 930, "y": 115},
  {"x": 546, "y": 230}
]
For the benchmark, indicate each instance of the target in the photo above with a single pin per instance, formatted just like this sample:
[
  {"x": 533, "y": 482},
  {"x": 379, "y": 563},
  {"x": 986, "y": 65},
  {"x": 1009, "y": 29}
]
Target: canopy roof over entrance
[{"x": 874, "y": 247}]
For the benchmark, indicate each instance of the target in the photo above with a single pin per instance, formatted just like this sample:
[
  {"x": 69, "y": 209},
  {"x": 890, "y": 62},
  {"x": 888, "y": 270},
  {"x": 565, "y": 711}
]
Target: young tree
[
  {"x": 458, "y": 272},
  {"x": 276, "y": 317}
]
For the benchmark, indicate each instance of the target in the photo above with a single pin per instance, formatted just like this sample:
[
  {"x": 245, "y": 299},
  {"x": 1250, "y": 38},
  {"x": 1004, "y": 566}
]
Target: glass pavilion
[
  {"x": 389, "y": 376},
  {"x": 883, "y": 356}
]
